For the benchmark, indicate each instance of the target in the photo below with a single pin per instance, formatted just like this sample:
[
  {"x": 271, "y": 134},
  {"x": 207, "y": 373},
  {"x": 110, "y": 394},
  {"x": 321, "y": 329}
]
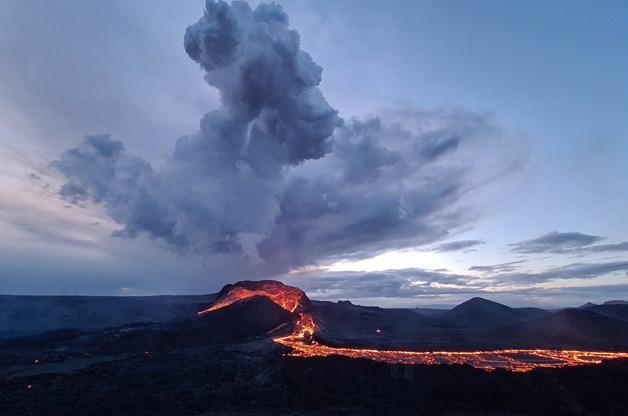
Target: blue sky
[{"x": 549, "y": 76}]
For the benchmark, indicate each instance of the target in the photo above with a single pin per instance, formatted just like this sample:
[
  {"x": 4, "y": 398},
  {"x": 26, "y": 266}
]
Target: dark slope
[
  {"x": 569, "y": 328},
  {"x": 617, "y": 311},
  {"x": 344, "y": 316},
  {"x": 529, "y": 313},
  {"x": 29, "y": 315},
  {"x": 430, "y": 312},
  {"x": 483, "y": 313},
  {"x": 343, "y": 323},
  {"x": 247, "y": 318},
  {"x": 241, "y": 321}
]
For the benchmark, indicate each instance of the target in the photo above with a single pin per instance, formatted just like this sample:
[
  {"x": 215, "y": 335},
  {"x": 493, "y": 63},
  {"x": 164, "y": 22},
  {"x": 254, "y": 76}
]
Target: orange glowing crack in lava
[{"x": 302, "y": 344}]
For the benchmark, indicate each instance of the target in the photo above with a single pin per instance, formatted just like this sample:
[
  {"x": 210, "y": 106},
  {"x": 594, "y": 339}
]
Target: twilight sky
[{"x": 405, "y": 154}]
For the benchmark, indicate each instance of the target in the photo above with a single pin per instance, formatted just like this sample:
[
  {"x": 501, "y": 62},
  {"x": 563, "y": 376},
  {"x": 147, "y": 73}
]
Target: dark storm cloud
[
  {"x": 555, "y": 242},
  {"x": 101, "y": 170},
  {"x": 275, "y": 175},
  {"x": 497, "y": 268},
  {"x": 456, "y": 246}
]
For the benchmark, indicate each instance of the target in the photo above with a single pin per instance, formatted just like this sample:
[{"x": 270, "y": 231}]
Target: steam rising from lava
[{"x": 275, "y": 176}]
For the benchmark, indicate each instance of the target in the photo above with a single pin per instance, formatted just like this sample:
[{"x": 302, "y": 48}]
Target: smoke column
[{"x": 274, "y": 176}]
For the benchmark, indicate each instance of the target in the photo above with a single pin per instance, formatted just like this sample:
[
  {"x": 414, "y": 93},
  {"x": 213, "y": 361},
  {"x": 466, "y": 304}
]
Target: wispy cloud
[
  {"x": 605, "y": 248},
  {"x": 497, "y": 268},
  {"x": 570, "y": 271},
  {"x": 456, "y": 246},
  {"x": 555, "y": 242},
  {"x": 566, "y": 243}
]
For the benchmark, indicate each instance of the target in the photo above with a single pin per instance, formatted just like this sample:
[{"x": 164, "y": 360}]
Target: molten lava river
[{"x": 303, "y": 345}]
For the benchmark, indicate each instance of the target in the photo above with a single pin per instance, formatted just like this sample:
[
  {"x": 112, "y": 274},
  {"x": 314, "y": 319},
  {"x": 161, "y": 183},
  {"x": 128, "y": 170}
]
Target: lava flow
[
  {"x": 512, "y": 359},
  {"x": 290, "y": 298},
  {"x": 303, "y": 345}
]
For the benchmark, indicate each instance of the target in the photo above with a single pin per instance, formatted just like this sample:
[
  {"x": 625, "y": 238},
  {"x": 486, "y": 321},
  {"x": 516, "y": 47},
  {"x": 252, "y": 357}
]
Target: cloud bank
[
  {"x": 275, "y": 177},
  {"x": 414, "y": 286}
]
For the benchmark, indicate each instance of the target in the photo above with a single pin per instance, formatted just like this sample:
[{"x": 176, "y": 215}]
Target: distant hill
[
  {"x": 430, "y": 312},
  {"x": 29, "y": 315},
  {"x": 615, "y": 302},
  {"x": 482, "y": 313},
  {"x": 613, "y": 310},
  {"x": 348, "y": 324},
  {"x": 345, "y": 316},
  {"x": 569, "y": 328}
]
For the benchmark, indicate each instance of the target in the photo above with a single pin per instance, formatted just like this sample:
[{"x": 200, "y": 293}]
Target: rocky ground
[{"x": 256, "y": 378}]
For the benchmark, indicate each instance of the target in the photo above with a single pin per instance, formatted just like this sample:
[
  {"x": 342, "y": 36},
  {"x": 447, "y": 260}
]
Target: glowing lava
[
  {"x": 290, "y": 298},
  {"x": 514, "y": 360},
  {"x": 302, "y": 344}
]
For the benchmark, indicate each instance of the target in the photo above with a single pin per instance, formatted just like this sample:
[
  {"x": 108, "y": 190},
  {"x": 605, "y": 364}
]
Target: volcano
[
  {"x": 290, "y": 298},
  {"x": 350, "y": 331},
  {"x": 264, "y": 344}
]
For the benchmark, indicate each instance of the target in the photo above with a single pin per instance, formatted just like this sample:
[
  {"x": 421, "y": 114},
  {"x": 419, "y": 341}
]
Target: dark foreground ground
[{"x": 256, "y": 378}]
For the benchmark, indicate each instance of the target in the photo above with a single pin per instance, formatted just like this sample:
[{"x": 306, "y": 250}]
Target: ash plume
[{"x": 275, "y": 176}]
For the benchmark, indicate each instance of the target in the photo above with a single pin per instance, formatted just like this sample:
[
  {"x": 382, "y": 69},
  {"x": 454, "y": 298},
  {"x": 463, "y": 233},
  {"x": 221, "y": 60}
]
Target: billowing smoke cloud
[
  {"x": 396, "y": 180},
  {"x": 275, "y": 175},
  {"x": 272, "y": 114}
]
